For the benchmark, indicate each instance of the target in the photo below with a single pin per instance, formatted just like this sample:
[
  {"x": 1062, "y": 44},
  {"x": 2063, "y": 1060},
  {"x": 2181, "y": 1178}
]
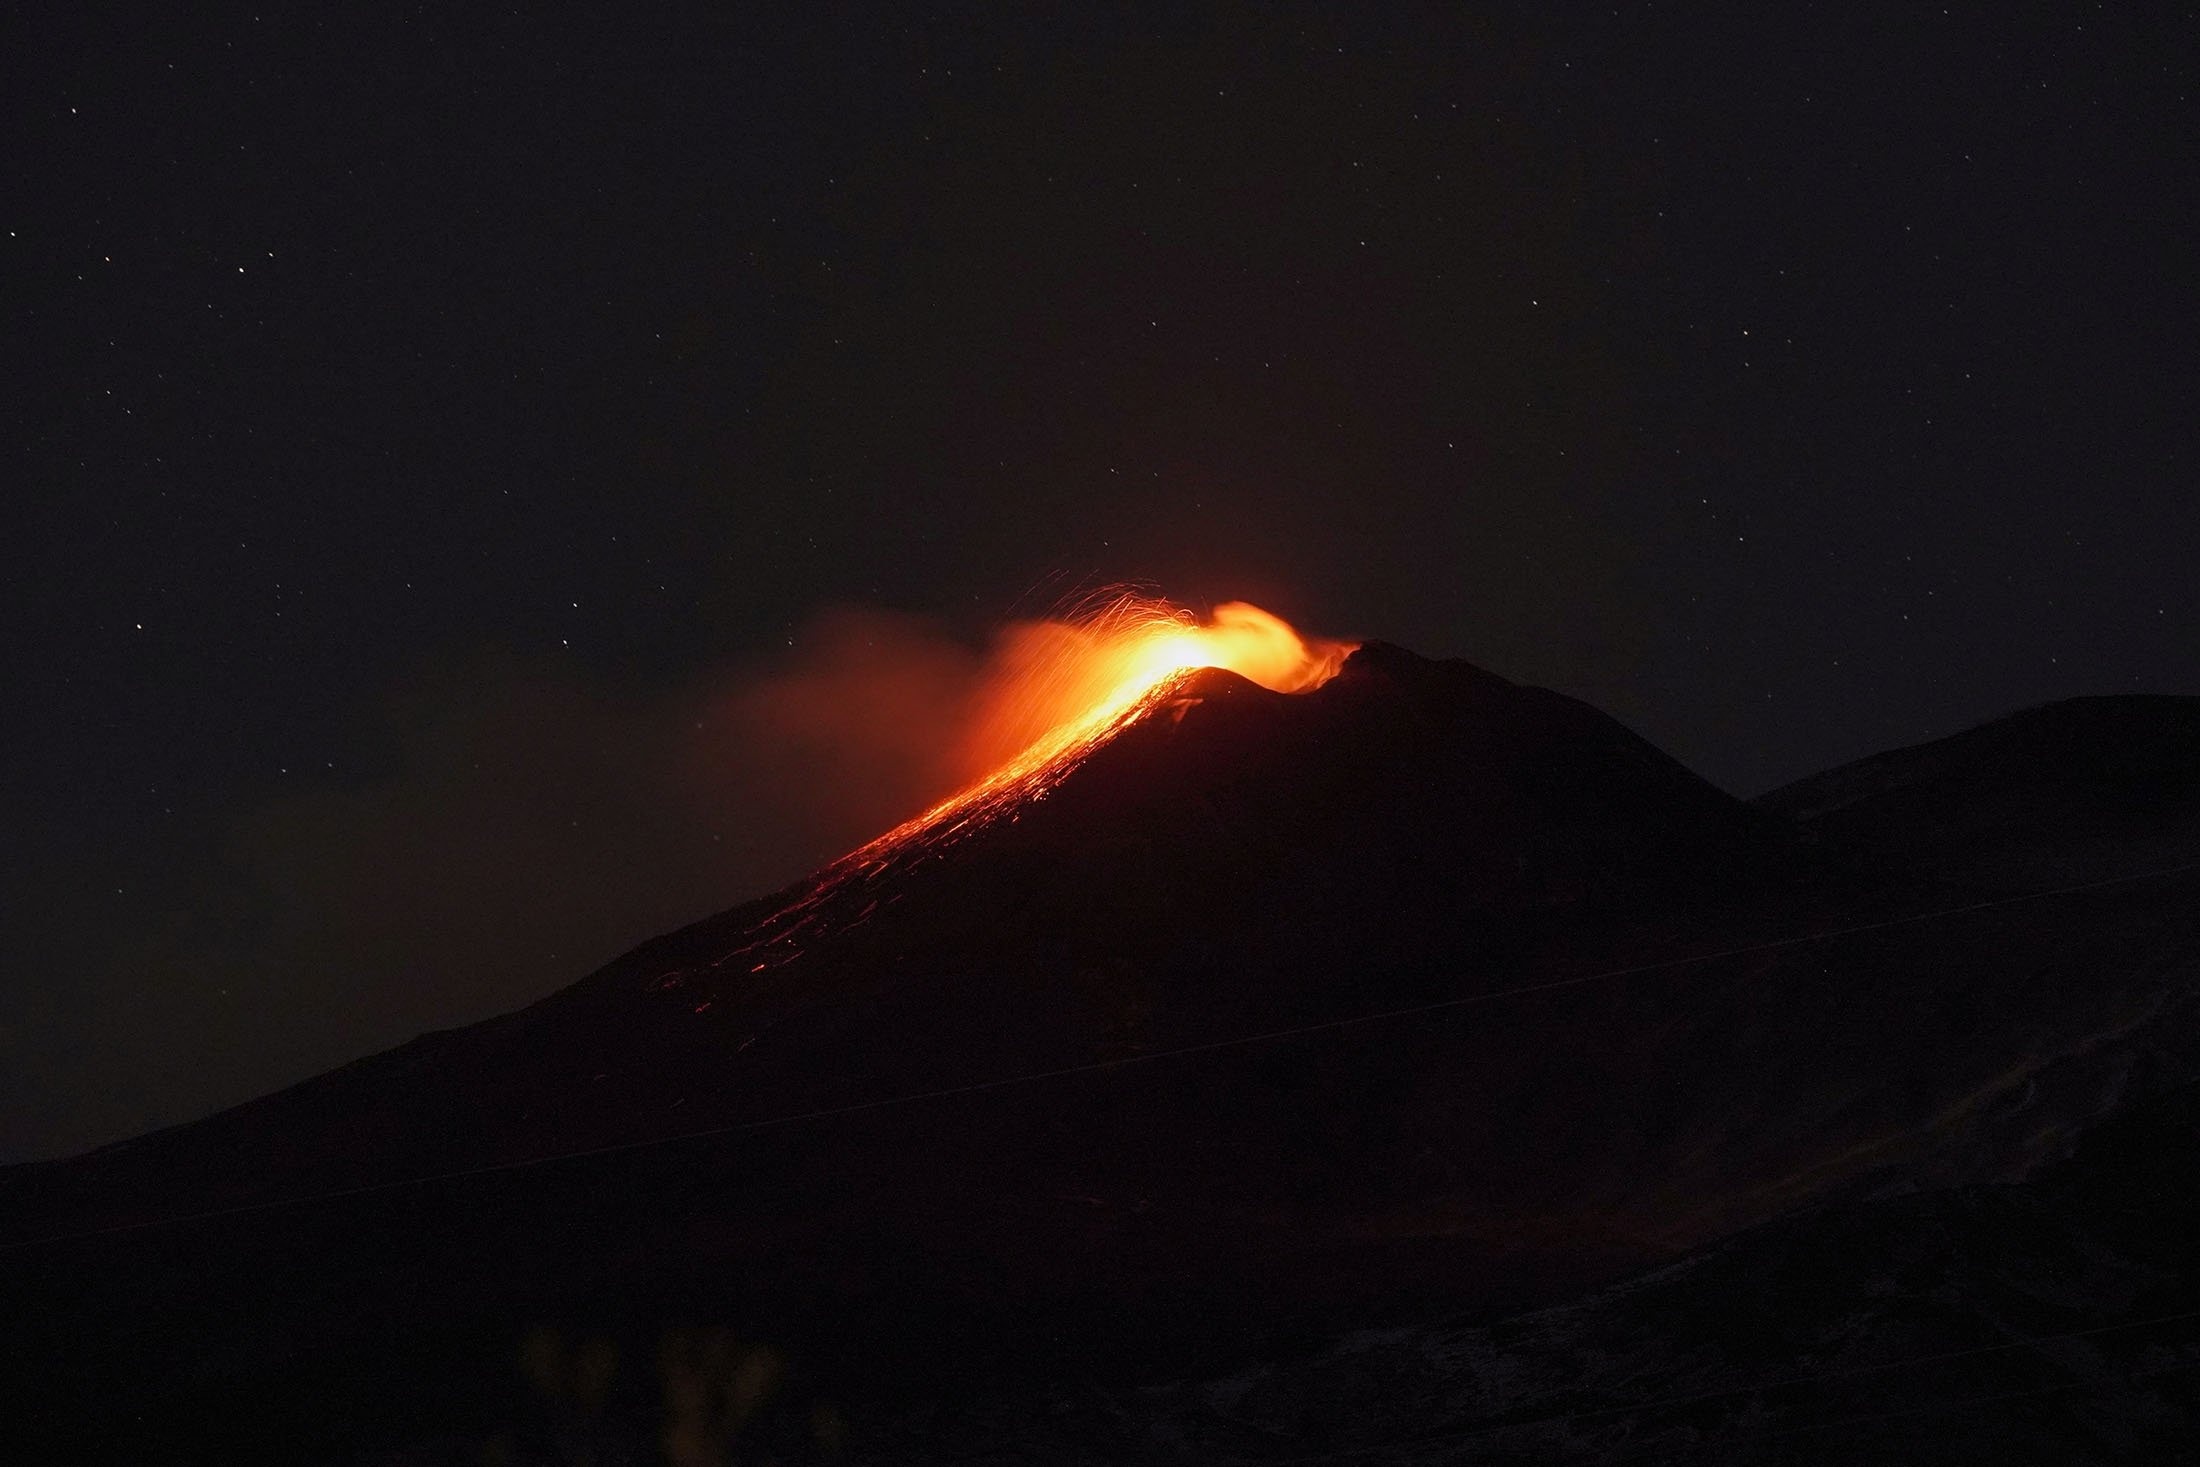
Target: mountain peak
[
  {"x": 2071, "y": 790},
  {"x": 1388, "y": 659},
  {"x": 1422, "y": 983}
]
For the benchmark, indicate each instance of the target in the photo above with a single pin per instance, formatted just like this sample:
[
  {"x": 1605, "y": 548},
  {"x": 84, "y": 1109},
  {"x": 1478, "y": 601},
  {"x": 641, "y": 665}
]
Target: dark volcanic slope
[
  {"x": 1243, "y": 862},
  {"x": 2068, "y": 792},
  {"x": 1237, "y": 864},
  {"x": 2052, "y": 1320}
]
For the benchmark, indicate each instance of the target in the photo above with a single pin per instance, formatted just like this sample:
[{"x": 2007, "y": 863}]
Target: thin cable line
[{"x": 1096, "y": 1066}]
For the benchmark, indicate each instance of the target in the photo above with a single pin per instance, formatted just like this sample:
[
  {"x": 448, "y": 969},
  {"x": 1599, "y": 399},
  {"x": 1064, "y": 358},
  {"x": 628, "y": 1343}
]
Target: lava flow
[
  {"x": 1066, "y": 687},
  {"x": 1071, "y": 683}
]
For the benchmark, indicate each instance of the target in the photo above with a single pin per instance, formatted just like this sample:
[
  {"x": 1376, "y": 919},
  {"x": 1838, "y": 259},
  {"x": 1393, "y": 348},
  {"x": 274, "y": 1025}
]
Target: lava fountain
[
  {"x": 1063, "y": 688},
  {"x": 1068, "y": 684}
]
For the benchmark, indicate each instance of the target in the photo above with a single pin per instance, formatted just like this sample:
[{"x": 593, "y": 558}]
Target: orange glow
[
  {"x": 1059, "y": 684},
  {"x": 1066, "y": 685},
  {"x": 1056, "y": 691}
]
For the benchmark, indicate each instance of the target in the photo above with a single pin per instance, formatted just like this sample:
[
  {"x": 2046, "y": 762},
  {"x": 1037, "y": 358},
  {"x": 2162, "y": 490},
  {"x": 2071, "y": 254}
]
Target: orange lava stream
[
  {"x": 1115, "y": 658},
  {"x": 1075, "y": 681}
]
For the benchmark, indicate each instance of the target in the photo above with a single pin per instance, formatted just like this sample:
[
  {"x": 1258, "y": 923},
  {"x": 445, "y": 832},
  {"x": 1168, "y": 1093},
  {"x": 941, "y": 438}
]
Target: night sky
[{"x": 427, "y": 432}]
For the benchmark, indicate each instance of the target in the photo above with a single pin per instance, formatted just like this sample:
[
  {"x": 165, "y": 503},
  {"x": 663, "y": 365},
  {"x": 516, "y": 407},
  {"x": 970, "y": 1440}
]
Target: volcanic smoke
[
  {"x": 1052, "y": 692},
  {"x": 1060, "y": 687}
]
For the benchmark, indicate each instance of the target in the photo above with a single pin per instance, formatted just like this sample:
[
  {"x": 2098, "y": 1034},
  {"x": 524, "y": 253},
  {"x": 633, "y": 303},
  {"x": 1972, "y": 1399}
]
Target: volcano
[{"x": 1415, "y": 994}]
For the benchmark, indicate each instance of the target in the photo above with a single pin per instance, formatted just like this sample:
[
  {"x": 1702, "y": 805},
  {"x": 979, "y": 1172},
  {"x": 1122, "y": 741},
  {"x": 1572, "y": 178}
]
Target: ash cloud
[{"x": 531, "y": 822}]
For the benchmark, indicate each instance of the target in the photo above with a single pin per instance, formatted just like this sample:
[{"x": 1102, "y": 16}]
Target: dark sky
[{"x": 426, "y": 430}]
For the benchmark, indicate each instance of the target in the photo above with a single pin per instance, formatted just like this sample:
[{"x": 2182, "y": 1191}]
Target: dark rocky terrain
[
  {"x": 1422, "y": 1068},
  {"x": 2050, "y": 1320}
]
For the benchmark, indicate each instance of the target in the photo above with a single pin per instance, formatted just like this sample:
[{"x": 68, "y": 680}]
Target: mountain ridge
[{"x": 1278, "y": 1009}]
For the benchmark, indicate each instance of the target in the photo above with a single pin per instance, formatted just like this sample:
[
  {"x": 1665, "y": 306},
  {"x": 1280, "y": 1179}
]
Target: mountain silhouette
[
  {"x": 2083, "y": 788},
  {"x": 1278, "y": 1013}
]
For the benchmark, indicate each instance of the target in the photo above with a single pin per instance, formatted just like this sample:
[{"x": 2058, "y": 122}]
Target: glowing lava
[
  {"x": 1064, "y": 687},
  {"x": 1070, "y": 683}
]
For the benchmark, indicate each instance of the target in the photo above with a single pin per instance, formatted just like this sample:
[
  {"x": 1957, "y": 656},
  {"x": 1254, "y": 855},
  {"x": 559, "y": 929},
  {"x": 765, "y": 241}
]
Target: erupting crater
[{"x": 1070, "y": 684}]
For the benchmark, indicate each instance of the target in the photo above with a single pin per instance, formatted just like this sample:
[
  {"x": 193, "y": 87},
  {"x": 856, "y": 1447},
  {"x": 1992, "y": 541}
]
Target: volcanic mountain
[
  {"x": 2075, "y": 790},
  {"x": 1271, "y": 1012}
]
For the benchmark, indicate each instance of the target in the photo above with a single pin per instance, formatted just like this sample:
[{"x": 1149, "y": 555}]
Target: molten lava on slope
[
  {"x": 1069, "y": 686},
  {"x": 1076, "y": 681}
]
